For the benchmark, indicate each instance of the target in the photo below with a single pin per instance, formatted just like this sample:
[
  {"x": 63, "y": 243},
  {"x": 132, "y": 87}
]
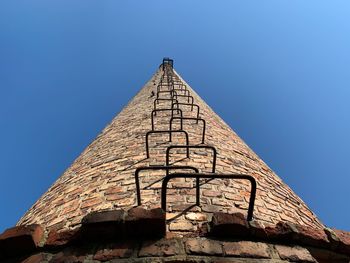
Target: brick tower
[{"x": 169, "y": 181}]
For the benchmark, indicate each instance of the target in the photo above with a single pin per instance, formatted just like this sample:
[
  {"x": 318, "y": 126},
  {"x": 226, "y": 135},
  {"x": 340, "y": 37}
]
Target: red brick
[
  {"x": 115, "y": 190},
  {"x": 294, "y": 253},
  {"x": 196, "y": 216},
  {"x": 229, "y": 225},
  {"x": 71, "y": 206},
  {"x": 37, "y": 258},
  {"x": 181, "y": 225},
  {"x": 312, "y": 237},
  {"x": 211, "y": 208},
  {"x": 160, "y": 248},
  {"x": 203, "y": 246},
  {"x": 332, "y": 237},
  {"x": 326, "y": 256},
  {"x": 112, "y": 251},
  {"x": 104, "y": 216},
  {"x": 115, "y": 197},
  {"x": 21, "y": 239},
  {"x": 344, "y": 241},
  {"x": 282, "y": 231},
  {"x": 102, "y": 225},
  {"x": 67, "y": 258},
  {"x": 246, "y": 249},
  {"x": 56, "y": 238},
  {"x": 210, "y": 193},
  {"x": 91, "y": 202},
  {"x": 138, "y": 217},
  {"x": 257, "y": 229}
]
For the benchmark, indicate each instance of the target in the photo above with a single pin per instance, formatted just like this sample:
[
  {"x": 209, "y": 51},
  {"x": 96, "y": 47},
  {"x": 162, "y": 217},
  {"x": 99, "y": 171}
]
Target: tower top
[{"x": 168, "y": 62}]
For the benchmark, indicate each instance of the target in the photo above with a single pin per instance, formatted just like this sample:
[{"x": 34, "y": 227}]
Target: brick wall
[
  {"x": 102, "y": 177},
  {"x": 139, "y": 235}
]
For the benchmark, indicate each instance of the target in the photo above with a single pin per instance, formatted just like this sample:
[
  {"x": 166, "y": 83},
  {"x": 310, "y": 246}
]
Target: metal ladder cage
[
  {"x": 185, "y": 96},
  {"x": 154, "y": 112},
  {"x": 187, "y": 104},
  {"x": 180, "y": 84},
  {"x": 172, "y": 92},
  {"x": 173, "y": 85},
  {"x": 198, "y": 176},
  {"x": 157, "y": 167},
  {"x": 159, "y": 86},
  {"x": 168, "y": 61},
  {"x": 185, "y": 91},
  {"x": 170, "y": 132},
  {"x": 156, "y": 101}
]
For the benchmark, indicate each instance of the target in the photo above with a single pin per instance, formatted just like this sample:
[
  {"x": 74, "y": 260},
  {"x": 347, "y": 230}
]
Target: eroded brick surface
[
  {"x": 344, "y": 240},
  {"x": 247, "y": 249},
  {"x": 102, "y": 177},
  {"x": 175, "y": 249},
  {"x": 163, "y": 248},
  {"x": 202, "y": 246},
  {"x": 298, "y": 254},
  {"x": 115, "y": 251}
]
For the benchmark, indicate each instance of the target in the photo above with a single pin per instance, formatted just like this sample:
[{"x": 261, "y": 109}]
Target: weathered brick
[
  {"x": 344, "y": 241},
  {"x": 210, "y": 193},
  {"x": 67, "y": 258},
  {"x": 91, "y": 202},
  {"x": 102, "y": 225},
  {"x": 104, "y": 216},
  {"x": 181, "y": 225},
  {"x": 332, "y": 237},
  {"x": 296, "y": 253},
  {"x": 56, "y": 238},
  {"x": 282, "y": 231},
  {"x": 257, "y": 229},
  {"x": 118, "y": 196},
  {"x": 311, "y": 236},
  {"x": 37, "y": 258},
  {"x": 21, "y": 239},
  {"x": 196, "y": 216},
  {"x": 114, "y": 251},
  {"x": 70, "y": 206},
  {"x": 138, "y": 217},
  {"x": 229, "y": 225},
  {"x": 203, "y": 246},
  {"x": 160, "y": 248},
  {"x": 115, "y": 190},
  {"x": 325, "y": 256},
  {"x": 246, "y": 249}
]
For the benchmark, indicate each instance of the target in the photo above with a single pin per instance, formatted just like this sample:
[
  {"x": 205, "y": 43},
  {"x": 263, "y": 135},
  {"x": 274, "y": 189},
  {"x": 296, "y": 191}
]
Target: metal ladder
[{"x": 171, "y": 84}]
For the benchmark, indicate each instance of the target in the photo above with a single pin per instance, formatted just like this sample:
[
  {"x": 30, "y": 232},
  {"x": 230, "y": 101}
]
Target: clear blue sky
[{"x": 276, "y": 71}]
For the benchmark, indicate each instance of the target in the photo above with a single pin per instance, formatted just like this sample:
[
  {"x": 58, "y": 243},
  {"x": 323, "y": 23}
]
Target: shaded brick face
[{"x": 102, "y": 177}]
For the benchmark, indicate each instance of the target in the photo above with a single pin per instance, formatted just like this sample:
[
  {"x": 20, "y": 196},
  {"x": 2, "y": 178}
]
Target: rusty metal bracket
[
  {"x": 186, "y": 91},
  {"x": 158, "y": 167},
  {"x": 155, "y": 132},
  {"x": 154, "y": 113},
  {"x": 188, "y": 99},
  {"x": 188, "y": 104},
  {"x": 198, "y": 176}
]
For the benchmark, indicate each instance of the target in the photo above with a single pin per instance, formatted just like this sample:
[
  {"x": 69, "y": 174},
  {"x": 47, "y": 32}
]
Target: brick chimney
[{"x": 169, "y": 180}]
